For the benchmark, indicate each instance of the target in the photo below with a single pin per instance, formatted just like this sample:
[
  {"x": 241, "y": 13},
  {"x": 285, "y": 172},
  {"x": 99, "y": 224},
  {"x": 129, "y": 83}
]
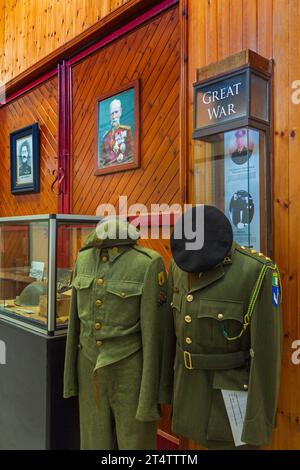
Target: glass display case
[
  {"x": 37, "y": 257},
  {"x": 232, "y": 173}
]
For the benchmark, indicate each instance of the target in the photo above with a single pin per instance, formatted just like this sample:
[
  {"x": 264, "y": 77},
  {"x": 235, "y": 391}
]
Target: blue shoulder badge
[{"x": 275, "y": 290}]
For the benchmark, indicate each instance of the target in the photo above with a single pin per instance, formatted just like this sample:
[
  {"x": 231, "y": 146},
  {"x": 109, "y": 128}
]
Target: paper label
[
  {"x": 236, "y": 403},
  {"x": 37, "y": 269}
]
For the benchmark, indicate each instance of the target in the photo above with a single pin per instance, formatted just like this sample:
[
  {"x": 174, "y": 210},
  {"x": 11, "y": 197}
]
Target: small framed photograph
[
  {"x": 118, "y": 130},
  {"x": 25, "y": 160}
]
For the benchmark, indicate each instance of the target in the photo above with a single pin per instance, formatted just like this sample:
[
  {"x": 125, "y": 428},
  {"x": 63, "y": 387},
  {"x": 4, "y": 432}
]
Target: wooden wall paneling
[
  {"x": 293, "y": 407},
  {"x": 151, "y": 107},
  {"x": 98, "y": 84},
  {"x": 183, "y": 105},
  {"x": 235, "y": 26},
  {"x": 154, "y": 150},
  {"x": 39, "y": 105},
  {"x": 197, "y": 40},
  {"x": 155, "y": 60},
  {"x": 105, "y": 8},
  {"x": 155, "y": 147},
  {"x": 34, "y": 28},
  {"x": 249, "y": 24},
  {"x": 2, "y": 39},
  {"x": 265, "y": 28},
  {"x": 282, "y": 436},
  {"x": 211, "y": 21},
  {"x": 223, "y": 38}
]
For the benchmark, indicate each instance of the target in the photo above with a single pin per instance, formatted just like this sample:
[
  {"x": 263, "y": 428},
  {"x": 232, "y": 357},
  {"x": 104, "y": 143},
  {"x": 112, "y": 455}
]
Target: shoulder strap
[{"x": 253, "y": 299}]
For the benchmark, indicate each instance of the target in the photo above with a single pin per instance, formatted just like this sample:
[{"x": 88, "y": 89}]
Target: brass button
[
  {"x": 123, "y": 294},
  {"x": 172, "y": 304},
  {"x": 189, "y": 298},
  {"x": 245, "y": 387},
  {"x": 115, "y": 250},
  {"x": 220, "y": 316},
  {"x": 98, "y": 326},
  {"x": 253, "y": 251},
  {"x": 188, "y": 340},
  {"x": 99, "y": 343},
  {"x": 100, "y": 282},
  {"x": 188, "y": 319},
  {"x": 104, "y": 259},
  {"x": 98, "y": 303},
  {"x": 251, "y": 352}
]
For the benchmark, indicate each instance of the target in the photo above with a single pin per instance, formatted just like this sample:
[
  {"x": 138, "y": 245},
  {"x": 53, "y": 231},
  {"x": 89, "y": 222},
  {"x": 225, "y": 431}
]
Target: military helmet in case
[{"x": 30, "y": 295}]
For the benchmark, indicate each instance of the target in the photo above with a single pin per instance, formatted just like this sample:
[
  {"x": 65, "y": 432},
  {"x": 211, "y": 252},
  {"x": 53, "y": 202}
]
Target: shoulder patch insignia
[
  {"x": 275, "y": 290},
  {"x": 161, "y": 278}
]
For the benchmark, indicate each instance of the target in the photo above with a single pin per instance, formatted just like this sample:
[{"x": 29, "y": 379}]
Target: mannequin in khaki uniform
[
  {"x": 227, "y": 336},
  {"x": 114, "y": 344}
]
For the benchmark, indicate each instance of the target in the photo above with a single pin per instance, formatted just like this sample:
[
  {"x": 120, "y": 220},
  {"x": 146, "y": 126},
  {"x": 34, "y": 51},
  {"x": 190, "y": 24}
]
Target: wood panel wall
[
  {"x": 31, "y": 29},
  {"x": 150, "y": 54},
  {"x": 217, "y": 28},
  {"x": 39, "y": 105}
]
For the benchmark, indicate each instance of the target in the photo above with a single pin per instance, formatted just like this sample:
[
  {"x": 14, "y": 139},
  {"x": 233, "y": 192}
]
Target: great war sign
[{"x": 221, "y": 100}]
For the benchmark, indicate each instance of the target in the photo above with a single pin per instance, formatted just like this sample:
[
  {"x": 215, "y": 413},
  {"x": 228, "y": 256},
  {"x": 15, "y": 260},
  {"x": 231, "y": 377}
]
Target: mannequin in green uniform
[
  {"x": 227, "y": 332},
  {"x": 114, "y": 344}
]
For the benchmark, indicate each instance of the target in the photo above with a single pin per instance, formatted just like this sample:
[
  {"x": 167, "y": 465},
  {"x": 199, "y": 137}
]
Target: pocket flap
[
  {"x": 82, "y": 281},
  {"x": 231, "y": 379},
  {"x": 220, "y": 309},
  {"x": 124, "y": 289},
  {"x": 176, "y": 301}
]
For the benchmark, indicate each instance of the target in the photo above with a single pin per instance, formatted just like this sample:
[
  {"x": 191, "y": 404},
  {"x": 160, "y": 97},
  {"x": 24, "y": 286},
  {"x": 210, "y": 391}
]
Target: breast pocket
[
  {"x": 83, "y": 285},
  {"x": 123, "y": 302},
  {"x": 215, "y": 320}
]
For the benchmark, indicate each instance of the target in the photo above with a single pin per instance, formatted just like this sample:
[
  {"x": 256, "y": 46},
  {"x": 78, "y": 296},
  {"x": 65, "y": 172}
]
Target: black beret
[{"x": 205, "y": 254}]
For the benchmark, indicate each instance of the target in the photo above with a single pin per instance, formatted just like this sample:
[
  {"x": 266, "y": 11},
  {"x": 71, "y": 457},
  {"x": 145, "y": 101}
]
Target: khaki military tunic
[
  {"x": 114, "y": 345},
  {"x": 208, "y": 312}
]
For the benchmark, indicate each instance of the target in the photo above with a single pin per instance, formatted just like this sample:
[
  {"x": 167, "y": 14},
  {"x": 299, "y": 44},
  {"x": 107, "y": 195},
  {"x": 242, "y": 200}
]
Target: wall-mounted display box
[
  {"x": 232, "y": 144},
  {"x": 37, "y": 256}
]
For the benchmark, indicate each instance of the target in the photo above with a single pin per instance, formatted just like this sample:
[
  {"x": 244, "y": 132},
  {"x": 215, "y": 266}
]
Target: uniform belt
[{"x": 212, "y": 361}]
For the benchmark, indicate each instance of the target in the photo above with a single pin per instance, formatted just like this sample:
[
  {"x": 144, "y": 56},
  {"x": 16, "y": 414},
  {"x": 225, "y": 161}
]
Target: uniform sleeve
[
  {"x": 152, "y": 316},
  {"x": 70, "y": 371},
  {"x": 266, "y": 346},
  {"x": 169, "y": 348}
]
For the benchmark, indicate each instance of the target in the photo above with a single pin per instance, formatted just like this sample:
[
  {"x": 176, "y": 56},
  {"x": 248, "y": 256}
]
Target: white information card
[{"x": 235, "y": 403}]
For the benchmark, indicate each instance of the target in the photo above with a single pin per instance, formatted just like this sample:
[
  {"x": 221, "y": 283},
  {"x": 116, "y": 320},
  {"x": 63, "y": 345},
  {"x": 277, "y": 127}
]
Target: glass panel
[
  {"x": 70, "y": 238},
  {"x": 259, "y": 97},
  {"x": 24, "y": 271},
  {"x": 230, "y": 174}
]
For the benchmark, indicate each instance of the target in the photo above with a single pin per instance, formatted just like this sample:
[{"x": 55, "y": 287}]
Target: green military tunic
[
  {"x": 228, "y": 329},
  {"x": 114, "y": 344}
]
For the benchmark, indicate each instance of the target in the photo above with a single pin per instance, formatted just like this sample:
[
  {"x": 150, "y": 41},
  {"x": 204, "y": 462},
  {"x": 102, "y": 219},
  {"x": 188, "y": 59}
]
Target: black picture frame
[{"x": 25, "y": 172}]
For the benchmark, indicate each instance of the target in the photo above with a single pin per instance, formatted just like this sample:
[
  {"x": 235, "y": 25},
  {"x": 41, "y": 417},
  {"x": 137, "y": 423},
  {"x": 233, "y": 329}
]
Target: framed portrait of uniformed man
[
  {"x": 24, "y": 160},
  {"x": 118, "y": 130}
]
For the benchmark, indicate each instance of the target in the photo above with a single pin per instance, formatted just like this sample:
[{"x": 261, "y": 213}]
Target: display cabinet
[
  {"x": 232, "y": 121},
  {"x": 37, "y": 256},
  {"x": 36, "y": 263}
]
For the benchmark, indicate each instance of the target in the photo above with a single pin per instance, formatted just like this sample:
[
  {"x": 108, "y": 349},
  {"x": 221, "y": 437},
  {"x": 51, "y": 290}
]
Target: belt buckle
[{"x": 187, "y": 360}]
